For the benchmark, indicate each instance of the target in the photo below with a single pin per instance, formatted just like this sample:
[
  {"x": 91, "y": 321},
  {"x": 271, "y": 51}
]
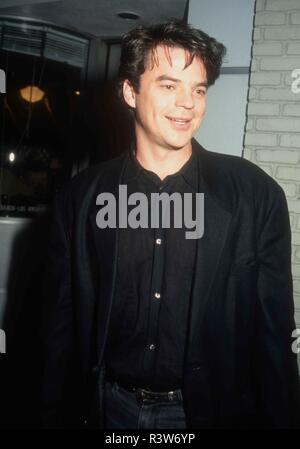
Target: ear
[{"x": 129, "y": 94}]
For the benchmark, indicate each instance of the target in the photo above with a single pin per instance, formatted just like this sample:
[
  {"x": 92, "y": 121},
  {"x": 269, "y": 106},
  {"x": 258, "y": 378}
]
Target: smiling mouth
[{"x": 181, "y": 121}]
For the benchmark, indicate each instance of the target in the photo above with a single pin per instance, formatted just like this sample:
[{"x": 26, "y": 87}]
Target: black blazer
[{"x": 240, "y": 370}]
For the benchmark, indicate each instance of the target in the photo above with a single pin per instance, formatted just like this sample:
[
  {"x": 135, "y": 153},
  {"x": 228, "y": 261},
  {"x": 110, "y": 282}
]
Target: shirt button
[
  {"x": 158, "y": 241},
  {"x": 152, "y": 347},
  {"x": 157, "y": 295}
]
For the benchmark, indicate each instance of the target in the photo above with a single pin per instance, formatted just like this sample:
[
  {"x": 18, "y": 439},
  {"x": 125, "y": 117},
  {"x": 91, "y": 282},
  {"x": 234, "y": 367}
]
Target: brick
[
  {"x": 297, "y": 309},
  {"x": 297, "y": 312},
  {"x": 259, "y": 5},
  {"x": 250, "y": 124},
  {"x": 296, "y": 268},
  {"x": 282, "y": 33},
  {"x": 295, "y": 18},
  {"x": 290, "y": 140},
  {"x": 289, "y": 189},
  {"x": 293, "y": 77},
  {"x": 263, "y": 109},
  {"x": 296, "y": 302},
  {"x": 267, "y": 168},
  {"x": 288, "y": 79},
  {"x": 294, "y": 206},
  {"x": 270, "y": 49},
  {"x": 249, "y": 154},
  {"x": 292, "y": 110},
  {"x": 295, "y": 86},
  {"x": 291, "y": 216},
  {"x": 280, "y": 156},
  {"x": 296, "y": 238},
  {"x": 261, "y": 139},
  {"x": 296, "y": 286},
  {"x": 282, "y": 5},
  {"x": 278, "y": 124},
  {"x": 269, "y": 18},
  {"x": 297, "y": 254},
  {"x": 251, "y": 93},
  {"x": 290, "y": 174},
  {"x": 279, "y": 63},
  {"x": 254, "y": 67},
  {"x": 264, "y": 79},
  {"x": 293, "y": 49},
  {"x": 268, "y": 93},
  {"x": 257, "y": 34}
]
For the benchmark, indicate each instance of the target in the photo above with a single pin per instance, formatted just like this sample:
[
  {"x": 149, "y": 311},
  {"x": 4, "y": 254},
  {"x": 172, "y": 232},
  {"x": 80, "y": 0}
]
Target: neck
[{"x": 162, "y": 161}]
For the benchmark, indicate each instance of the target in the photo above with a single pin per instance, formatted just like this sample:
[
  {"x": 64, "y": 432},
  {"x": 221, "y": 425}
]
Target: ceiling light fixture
[
  {"x": 32, "y": 94},
  {"x": 128, "y": 15}
]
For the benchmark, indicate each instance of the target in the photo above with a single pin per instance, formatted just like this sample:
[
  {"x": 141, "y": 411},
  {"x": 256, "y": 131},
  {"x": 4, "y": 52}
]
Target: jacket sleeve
[
  {"x": 57, "y": 317},
  {"x": 275, "y": 363}
]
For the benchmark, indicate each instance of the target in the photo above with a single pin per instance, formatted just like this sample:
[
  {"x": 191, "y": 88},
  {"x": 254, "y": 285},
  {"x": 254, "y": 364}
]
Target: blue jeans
[{"x": 122, "y": 411}]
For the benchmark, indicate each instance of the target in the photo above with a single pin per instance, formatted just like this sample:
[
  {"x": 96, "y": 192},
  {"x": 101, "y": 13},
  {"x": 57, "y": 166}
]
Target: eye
[
  {"x": 201, "y": 92},
  {"x": 168, "y": 86}
]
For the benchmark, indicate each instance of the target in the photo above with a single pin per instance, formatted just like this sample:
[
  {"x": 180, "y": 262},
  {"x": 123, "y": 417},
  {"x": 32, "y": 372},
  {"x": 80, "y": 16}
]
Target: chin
[{"x": 178, "y": 145}]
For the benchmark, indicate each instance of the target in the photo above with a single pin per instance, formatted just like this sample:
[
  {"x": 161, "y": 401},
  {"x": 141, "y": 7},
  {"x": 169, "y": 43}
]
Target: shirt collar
[{"x": 189, "y": 171}]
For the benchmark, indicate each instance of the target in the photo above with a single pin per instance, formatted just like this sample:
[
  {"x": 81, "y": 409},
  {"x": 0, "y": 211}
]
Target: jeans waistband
[{"x": 144, "y": 395}]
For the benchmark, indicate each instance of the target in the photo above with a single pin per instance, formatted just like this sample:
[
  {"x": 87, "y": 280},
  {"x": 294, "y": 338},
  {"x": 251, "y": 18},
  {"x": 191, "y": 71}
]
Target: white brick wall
[
  {"x": 293, "y": 49},
  {"x": 272, "y": 138},
  {"x": 295, "y": 19}
]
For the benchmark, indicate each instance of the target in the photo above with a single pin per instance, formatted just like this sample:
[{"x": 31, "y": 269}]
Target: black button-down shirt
[{"x": 148, "y": 331}]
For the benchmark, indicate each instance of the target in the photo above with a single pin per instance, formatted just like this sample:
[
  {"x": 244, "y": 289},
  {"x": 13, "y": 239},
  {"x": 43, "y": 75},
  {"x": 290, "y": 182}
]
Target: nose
[{"x": 185, "y": 99}]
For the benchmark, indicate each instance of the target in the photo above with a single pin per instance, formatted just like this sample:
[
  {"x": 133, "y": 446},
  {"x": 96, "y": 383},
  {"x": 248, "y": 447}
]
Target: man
[{"x": 144, "y": 327}]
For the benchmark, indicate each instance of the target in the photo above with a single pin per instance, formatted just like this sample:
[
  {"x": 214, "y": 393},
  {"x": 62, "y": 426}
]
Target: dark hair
[{"x": 141, "y": 42}]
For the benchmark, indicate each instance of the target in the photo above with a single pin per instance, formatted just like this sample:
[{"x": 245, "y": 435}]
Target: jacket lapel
[
  {"x": 106, "y": 246},
  {"x": 210, "y": 247}
]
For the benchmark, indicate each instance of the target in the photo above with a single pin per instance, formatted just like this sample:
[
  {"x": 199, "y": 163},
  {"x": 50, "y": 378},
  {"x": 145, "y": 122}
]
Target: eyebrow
[{"x": 176, "y": 80}]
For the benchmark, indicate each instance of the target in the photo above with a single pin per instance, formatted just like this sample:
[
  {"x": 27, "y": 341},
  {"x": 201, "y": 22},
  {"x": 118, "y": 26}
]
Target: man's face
[{"x": 171, "y": 101}]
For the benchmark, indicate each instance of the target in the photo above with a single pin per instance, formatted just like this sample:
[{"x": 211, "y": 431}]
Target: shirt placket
[{"x": 156, "y": 297}]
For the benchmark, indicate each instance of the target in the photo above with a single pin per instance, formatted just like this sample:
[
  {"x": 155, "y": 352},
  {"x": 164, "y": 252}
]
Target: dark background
[{"x": 70, "y": 51}]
